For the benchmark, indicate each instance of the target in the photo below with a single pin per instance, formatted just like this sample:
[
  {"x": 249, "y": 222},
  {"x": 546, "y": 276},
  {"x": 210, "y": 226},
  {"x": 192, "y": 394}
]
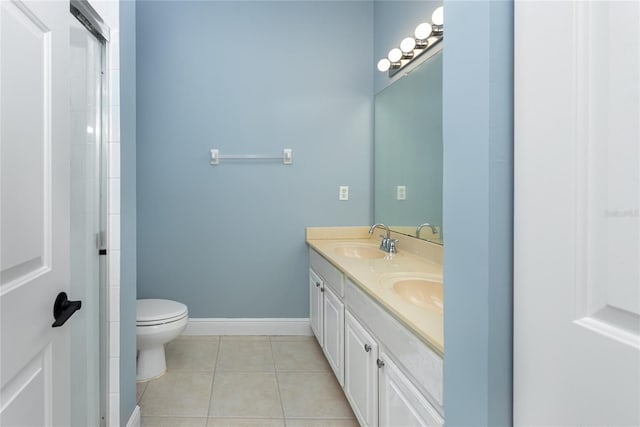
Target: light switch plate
[{"x": 343, "y": 192}]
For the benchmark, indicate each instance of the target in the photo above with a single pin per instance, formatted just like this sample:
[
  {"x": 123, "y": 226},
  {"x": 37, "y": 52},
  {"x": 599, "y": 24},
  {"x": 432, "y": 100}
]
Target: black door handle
[{"x": 63, "y": 309}]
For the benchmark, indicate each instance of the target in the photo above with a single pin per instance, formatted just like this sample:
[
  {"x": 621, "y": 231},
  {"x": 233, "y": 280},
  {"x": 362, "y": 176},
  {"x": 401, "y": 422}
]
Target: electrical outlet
[
  {"x": 401, "y": 192},
  {"x": 343, "y": 192}
]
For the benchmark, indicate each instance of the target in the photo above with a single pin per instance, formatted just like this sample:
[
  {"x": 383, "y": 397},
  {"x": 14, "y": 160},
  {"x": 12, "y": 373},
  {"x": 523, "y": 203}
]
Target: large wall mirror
[{"x": 408, "y": 153}]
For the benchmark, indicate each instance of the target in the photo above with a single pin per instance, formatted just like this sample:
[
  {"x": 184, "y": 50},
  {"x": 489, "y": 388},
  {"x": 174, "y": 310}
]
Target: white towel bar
[{"x": 286, "y": 157}]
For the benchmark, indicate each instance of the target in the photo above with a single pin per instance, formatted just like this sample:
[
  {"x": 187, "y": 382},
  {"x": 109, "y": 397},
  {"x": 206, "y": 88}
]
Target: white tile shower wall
[
  {"x": 114, "y": 157},
  {"x": 114, "y": 303},
  {"x": 109, "y": 12},
  {"x": 114, "y": 366},
  {"x": 114, "y": 232},
  {"x": 114, "y": 339},
  {"x": 114, "y": 195},
  {"x": 114, "y": 269}
]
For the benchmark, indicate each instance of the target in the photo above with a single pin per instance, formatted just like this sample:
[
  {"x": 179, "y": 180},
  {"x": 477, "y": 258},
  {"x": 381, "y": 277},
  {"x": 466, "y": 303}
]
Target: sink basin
[
  {"x": 359, "y": 251},
  {"x": 421, "y": 292},
  {"x": 420, "y": 289}
]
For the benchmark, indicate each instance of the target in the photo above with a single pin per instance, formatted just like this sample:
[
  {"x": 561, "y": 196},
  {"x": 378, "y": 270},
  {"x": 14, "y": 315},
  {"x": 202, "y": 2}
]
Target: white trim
[
  {"x": 610, "y": 330},
  {"x": 134, "y": 420},
  {"x": 248, "y": 327}
]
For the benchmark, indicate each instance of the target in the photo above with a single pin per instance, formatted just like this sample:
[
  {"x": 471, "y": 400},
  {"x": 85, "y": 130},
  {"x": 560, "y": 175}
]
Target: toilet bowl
[{"x": 158, "y": 321}]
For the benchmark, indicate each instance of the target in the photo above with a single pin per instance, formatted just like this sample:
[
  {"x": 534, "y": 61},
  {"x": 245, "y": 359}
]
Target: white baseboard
[
  {"x": 134, "y": 420},
  {"x": 248, "y": 327}
]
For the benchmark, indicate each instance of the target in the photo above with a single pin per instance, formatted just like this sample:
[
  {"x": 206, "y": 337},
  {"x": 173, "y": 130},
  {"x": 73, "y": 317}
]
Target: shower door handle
[{"x": 63, "y": 309}]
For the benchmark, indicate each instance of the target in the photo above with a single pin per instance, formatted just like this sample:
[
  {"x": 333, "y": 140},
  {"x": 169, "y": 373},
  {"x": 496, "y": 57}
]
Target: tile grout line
[
  {"x": 139, "y": 401},
  {"x": 275, "y": 369},
  {"x": 213, "y": 379}
]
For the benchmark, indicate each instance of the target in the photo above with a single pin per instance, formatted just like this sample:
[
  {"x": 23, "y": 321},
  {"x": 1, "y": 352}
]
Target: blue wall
[
  {"x": 128, "y": 209},
  {"x": 478, "y": 212},
  {"x": 194, "y": 219},
  {"x": 248, "y": 78}
]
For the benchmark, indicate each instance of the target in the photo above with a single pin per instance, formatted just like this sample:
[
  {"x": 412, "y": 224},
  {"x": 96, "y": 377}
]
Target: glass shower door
[{"x": 87, "y": 219}]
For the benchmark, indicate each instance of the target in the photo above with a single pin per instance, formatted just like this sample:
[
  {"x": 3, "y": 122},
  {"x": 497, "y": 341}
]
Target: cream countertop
[{"x": 375, "y": 277}]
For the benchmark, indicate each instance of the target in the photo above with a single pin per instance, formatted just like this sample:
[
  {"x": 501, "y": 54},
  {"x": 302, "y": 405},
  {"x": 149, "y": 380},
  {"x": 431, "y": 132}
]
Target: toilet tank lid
[{"x": 158, "y": 309}]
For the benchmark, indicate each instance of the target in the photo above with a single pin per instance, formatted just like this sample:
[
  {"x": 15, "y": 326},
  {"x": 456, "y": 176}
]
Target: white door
[
  {"x": 577, "y": 231},
  {"x": 360, "y": 371},
  {"x": 34, "y": 210}
]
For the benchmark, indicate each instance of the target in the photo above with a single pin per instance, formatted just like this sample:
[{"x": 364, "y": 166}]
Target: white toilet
[{"x": 158, "y": 321}]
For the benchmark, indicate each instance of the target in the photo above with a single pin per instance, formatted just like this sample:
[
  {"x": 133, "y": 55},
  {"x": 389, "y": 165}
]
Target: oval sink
[
  {"x": 359, "y": 251},
  {"x": 421, "y": 292}
]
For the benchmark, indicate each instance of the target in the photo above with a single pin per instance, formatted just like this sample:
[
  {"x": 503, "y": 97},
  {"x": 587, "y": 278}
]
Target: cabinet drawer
[
  {"x": 424, "y": 366},
  {"x": 331, "y": 275}
]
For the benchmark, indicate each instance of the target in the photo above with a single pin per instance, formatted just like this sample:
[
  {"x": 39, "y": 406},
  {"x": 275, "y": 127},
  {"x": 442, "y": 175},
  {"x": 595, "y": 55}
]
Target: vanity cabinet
[
  {"x": 377, "y": 389},
  {"x": 333, "y": 328},
  {"x": 316, "y": 307},
  {"x": 326, "y": 290},
  {"x": 361, "y": 371},
  {"x": 400, "y": 403},
  {"x": 389, "y": 376}
]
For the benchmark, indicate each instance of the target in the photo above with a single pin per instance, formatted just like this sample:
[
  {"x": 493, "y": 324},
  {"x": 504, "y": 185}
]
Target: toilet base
[{"x": 151, "y": 363}]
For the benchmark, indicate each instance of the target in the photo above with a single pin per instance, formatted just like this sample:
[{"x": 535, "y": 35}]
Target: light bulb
[
  {"x": 407, "y": 45},
  {"x": 384, "y": 65},
  {"x": 423, "y": 31},
  {"x": 395, "y": 55},
  {"x": 438, "y": 16}
]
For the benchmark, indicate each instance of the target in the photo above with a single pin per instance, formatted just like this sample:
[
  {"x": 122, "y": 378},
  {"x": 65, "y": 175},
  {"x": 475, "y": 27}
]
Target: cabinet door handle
[
  {"x": 367, "y": 348},
  {"x": 317, "y": 284},
  {"x": 322, "y": 289},
  {"x": 380, "y": 363}
]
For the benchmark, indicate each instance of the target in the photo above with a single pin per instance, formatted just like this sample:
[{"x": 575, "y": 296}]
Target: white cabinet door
[
  {"x": 316, "y": 306},
  {"x": 334, "y": 333},
  {"x": 401, "y": 404},
  {"x": 360, "y": 371}
]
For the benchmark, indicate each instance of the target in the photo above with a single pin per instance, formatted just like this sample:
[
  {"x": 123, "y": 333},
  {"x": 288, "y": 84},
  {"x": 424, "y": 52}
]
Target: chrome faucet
[
  {"x": 387, "y": 244},
  {"x": 434, "y": 230}
]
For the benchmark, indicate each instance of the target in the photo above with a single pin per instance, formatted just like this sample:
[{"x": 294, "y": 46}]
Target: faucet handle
[{"x": 392, "y": 246}]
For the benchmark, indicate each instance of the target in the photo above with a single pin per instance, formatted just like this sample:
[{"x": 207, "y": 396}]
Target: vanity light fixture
[
  {"x": 407, "y": 46},
  {"x": 395, "y": 55},
  {"x": 422, "y": 33},
  {"x": 437, "y": 17},
  {"x": 426, "y": 34},
  {"x": 384, "y": 64}
]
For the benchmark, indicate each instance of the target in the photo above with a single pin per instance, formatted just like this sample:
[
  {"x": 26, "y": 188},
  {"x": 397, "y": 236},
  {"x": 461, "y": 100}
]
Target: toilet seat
[{"x": 153, "y": 312}]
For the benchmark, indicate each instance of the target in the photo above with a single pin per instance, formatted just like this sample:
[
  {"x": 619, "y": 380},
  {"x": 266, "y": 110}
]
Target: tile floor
[{"x": 244, "y": 381}]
